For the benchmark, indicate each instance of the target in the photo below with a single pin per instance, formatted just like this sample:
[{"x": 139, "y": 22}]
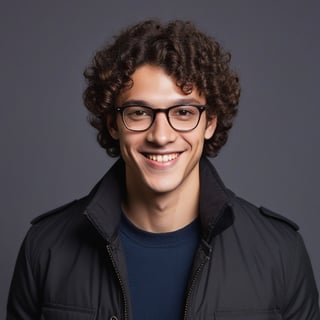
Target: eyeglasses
[{"x": 180, "y": 117}]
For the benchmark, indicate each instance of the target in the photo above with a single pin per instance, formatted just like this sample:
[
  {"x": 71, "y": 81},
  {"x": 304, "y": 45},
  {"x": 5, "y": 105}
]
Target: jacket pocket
[
  {"x": 61, "y": 312},
  {"x": 248, "y": 315}
]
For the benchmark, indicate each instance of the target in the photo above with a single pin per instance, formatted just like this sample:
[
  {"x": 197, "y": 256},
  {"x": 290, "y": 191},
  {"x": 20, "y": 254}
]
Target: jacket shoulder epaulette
[
  {"x": 52, "y": 212},
  {"x": 271, "y": 214}
]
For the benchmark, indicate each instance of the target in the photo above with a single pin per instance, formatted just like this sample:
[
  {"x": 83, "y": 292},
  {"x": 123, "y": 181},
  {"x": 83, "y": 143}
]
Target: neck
[{"x": 163, "y": 212}]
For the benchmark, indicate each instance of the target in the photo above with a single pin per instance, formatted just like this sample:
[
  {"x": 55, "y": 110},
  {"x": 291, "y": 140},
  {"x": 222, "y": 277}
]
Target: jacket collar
[
  {"x": 104, "y": 208},
  {"x": 216, "y": 213}
]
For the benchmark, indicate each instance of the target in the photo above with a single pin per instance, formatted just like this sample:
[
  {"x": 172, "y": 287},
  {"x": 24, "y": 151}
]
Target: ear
[
  {"x": 112, "y": 126},
  {"x": 211, "y": 127}
]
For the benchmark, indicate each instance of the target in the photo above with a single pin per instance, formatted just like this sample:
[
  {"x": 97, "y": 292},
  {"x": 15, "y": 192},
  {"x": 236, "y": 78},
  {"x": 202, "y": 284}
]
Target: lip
[{"x": 163, "y": 159}]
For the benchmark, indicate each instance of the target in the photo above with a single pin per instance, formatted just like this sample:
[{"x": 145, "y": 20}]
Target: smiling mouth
[{"x": 162, "y": 157}]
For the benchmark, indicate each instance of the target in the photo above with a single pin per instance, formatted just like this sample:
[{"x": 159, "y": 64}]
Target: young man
[{"x": 160, "y": 236}]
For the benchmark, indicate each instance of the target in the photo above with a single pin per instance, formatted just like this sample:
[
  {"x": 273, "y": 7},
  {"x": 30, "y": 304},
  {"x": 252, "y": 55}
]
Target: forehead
[{"x": 153, "y": 85}]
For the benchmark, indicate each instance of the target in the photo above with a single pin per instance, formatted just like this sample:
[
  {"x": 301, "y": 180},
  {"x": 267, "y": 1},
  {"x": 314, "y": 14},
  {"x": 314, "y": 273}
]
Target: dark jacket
[{"x": 251, "y": 263}]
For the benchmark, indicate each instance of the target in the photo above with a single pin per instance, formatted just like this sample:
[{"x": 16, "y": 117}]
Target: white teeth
[{"x": 162, "y": 158}]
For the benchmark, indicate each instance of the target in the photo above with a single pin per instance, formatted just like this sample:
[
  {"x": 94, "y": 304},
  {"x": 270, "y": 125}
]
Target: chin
[{"x": 163, "y": 186}]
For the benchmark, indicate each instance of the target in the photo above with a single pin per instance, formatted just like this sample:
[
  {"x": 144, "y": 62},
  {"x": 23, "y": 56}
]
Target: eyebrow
[{"x": 145, "y": 103}]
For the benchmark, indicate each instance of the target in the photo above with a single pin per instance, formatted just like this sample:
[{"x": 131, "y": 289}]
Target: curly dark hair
[{"x": 191, "y": 57}]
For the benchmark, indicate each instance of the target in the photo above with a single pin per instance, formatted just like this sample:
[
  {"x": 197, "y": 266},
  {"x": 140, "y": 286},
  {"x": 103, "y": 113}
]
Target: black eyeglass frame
[{"x": 200, "y": 107}]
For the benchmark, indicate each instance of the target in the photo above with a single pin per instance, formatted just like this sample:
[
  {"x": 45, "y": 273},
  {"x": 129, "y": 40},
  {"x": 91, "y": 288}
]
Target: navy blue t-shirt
[{"x": 159, "y": 265}]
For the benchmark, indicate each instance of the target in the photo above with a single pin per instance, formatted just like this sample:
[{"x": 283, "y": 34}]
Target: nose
[{"x": 161, "y": 132}]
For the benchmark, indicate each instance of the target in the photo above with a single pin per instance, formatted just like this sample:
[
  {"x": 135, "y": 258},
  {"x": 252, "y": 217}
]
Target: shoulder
[
  {"x": 61, "y": 215},
  {"x": 269, "y": 214},
  {"x": 56, "y": 226},
  {"x": 61, "y": 209},
  {"x": 260, "y": 227},
  {"x": 271, "y": 242},
  {"x": 263, "y": 233},
  {"x": 54, "y": 236},
  {"x": 263, "y": 215}
]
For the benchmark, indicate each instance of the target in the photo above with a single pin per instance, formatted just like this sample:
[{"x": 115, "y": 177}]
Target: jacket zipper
[
  {"x": 195, "y": 276},
  {"x": 120, "y": 281},
  {"x": 109, "y": 249}
]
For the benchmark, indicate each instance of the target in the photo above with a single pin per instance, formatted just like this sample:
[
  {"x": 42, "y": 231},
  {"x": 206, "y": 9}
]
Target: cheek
[
  {"x": 128, "y": 141},
  {"x": 195, "y": 139},
  {"x": 200, "y": 134}
]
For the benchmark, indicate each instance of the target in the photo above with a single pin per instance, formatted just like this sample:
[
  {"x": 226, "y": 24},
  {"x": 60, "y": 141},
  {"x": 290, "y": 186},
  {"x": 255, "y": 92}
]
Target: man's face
[{"x": 160, "y": 159}]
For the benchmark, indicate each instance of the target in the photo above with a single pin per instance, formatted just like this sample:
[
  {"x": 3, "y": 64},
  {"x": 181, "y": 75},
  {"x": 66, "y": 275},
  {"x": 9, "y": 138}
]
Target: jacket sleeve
[
  {"x": 23, "y": 300},
  {"x": 301, "y": 291}
]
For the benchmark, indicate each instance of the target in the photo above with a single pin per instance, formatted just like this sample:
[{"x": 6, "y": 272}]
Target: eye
[
  {"x": 137, "y": 112},
  {"x": 183, "y": 112}
]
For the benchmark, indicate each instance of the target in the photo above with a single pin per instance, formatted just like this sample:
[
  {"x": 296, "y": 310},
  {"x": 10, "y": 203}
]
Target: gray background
[{"x": 48, "y": 151}]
